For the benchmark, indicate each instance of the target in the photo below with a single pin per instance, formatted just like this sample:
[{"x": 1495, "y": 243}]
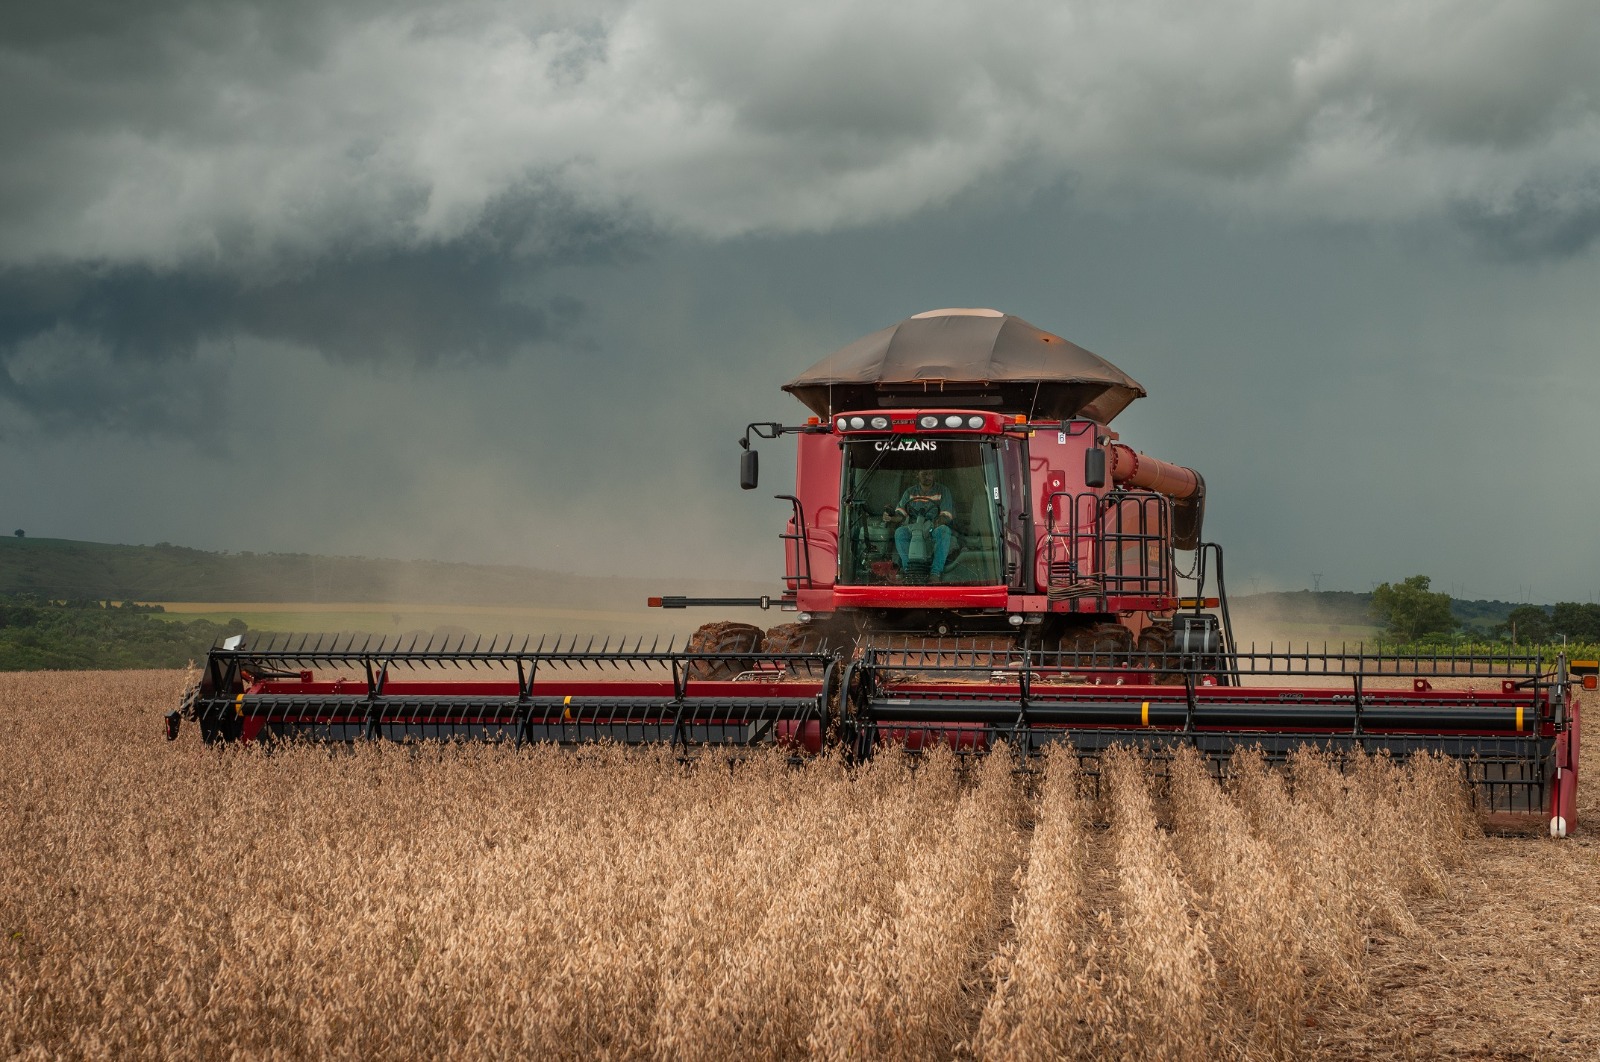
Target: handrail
[{"x": 802, "y": 539}]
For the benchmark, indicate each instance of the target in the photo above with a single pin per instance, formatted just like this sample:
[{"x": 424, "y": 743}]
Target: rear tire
[
  {"x": 1157, "y": 648},
  {"x": 725, "y": 637}
]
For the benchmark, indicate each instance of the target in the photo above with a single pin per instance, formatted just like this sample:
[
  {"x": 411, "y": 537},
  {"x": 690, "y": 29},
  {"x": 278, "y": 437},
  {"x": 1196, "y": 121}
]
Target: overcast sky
[{"x": 504, "y": 282}]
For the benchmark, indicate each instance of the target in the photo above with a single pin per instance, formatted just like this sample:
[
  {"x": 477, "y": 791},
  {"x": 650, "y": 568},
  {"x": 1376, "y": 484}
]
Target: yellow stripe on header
[
  {"x": 1519, "y": 717},
  {"x": 1144, "y": 714},
  {"x": 238, "y": 706}
]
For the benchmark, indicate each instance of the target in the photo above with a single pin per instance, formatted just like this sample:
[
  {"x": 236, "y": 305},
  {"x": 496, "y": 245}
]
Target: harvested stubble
[{"x": 173, "y": 901}]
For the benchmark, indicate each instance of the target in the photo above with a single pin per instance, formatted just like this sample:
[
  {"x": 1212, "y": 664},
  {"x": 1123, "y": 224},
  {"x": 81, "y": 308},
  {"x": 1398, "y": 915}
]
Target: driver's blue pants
[{"x": 941, "y": 535}]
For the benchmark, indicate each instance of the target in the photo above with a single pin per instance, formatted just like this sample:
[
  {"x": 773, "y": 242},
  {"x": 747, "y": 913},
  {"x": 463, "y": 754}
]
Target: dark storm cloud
[
  {"x": 182, "y": 176},
  {"x": 63, "y": 380},
  {"x": 249, "y": 134},
  {"x": 92, "y": 344},
  {"x": 423, "y": 304},
  {"x": 398, "y": 182},
  {"x": 417, "y": 309},
  {"x": 1538, "y": 221}
]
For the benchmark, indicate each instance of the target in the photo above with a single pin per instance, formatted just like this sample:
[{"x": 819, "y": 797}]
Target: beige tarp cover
[{"x": 967, "y": 358}]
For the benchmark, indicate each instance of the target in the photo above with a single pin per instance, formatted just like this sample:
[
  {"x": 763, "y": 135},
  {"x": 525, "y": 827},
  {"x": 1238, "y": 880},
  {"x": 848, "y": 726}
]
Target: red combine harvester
[{"x": 972, "y": 558}]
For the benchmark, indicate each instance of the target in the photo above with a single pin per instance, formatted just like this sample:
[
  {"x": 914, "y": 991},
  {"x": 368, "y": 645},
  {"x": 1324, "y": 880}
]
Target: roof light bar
[{"x": 962, "y": 420}]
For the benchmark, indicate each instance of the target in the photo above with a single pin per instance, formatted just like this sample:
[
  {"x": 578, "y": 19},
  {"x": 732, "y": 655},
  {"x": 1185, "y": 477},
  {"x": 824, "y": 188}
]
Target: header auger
[
  {"x": 971, "y": 557},
  {"x": 565, "y": 691}
]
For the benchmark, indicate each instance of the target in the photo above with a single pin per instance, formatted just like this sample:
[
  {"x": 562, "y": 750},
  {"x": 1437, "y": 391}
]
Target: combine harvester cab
[{"x": 958, "y": 488}]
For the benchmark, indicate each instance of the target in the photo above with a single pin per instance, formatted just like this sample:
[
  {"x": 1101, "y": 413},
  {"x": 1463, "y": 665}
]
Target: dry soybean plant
[
  {"x": 1051, "y": 998},
  {"x": 1249, "y": 903},
  {"x": 176, "y": 901}
]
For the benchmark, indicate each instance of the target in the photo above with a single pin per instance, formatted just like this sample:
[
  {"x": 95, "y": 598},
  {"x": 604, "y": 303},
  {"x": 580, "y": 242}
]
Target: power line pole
[{"x": 1316, "y": 582}]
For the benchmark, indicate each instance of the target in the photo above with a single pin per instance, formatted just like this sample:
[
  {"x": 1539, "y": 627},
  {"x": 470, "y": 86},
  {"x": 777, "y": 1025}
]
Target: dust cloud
[{"x": 1276, "y": 620}]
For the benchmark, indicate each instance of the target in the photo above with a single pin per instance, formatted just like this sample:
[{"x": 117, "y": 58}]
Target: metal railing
[{"x": 1126, "y": 536}]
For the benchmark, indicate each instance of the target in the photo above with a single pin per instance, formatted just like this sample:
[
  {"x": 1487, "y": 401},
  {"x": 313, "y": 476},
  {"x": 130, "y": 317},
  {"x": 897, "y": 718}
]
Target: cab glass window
[{"x": 920, "y": 509}]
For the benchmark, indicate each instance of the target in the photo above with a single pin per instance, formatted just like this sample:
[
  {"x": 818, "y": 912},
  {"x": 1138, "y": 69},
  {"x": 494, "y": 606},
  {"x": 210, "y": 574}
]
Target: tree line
[
  {"x": 39, "y": 634},
  {"x": 1410, "y": 612}
]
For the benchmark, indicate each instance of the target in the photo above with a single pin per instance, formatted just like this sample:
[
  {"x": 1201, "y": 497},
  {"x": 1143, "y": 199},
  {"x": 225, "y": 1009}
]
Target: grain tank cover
[{"x": 967, "y": 359}]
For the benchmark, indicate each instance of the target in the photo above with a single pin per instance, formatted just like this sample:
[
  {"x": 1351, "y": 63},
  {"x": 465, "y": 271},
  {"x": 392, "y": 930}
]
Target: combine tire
[
  {"x": 795, "y": 638},
  {"x": 1156, "y": 648},
  {"x": 724, "y": 638},
  {"x": 1110, "y": 642},
  {"x": 1156, "y": 638}
]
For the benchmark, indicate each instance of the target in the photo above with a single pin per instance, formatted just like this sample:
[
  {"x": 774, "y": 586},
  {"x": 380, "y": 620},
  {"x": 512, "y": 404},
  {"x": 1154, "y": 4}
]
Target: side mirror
[
  {"x": 749, "y": 469},
  {"x": 1094, "y": 467}
]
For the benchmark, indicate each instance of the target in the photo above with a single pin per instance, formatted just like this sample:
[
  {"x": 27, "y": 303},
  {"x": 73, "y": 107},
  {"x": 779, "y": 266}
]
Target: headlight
[
  {"x": 974, "y": 422},
  {"x": 842, "y": 423},
  {"x": 928, "y": 421},
  {"x": 881, "y": 423},
  {"x": 952, "y": 421},
  {"x": 858, "y": 422}
]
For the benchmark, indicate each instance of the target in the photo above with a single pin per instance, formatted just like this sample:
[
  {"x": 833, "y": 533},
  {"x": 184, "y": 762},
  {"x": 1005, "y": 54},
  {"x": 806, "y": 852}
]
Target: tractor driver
[{"x": 924, "y": 500}]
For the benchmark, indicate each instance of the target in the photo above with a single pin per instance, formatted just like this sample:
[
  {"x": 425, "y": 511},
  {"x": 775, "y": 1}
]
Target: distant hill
[{"x": 78, "y": 571}]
